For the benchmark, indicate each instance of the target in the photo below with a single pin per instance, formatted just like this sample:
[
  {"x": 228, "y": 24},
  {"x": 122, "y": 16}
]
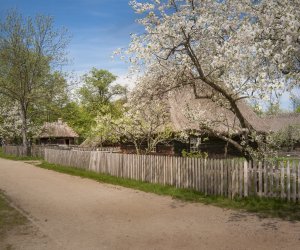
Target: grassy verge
[
  {"x": 9, "y": 217},
  {"x": 262, "y": 206}
]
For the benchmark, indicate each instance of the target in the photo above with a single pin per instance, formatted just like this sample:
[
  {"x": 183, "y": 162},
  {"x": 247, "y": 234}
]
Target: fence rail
[
  {"x": 230, "y": 178},
  {"x": 39, "y": 151}
]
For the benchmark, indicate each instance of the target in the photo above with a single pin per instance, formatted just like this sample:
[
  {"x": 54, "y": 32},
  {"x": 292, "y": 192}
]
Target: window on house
[{"x": 194, "y": 144}]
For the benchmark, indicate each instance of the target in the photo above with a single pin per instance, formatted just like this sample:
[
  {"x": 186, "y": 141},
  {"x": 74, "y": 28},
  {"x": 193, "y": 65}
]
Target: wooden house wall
[
  {"x": 297, "y": 146},
  {"x": 173, "y": 148},
  {"x": 58, "y": 141},
  {"x": 161, "y": 149},
  {"x": 214, "y": 147}
]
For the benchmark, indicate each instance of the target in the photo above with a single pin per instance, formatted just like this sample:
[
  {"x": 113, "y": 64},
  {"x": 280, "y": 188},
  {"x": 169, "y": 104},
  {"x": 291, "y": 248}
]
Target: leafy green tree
[
  {"x": 29, "y": 50},
  {"x": 99, "y": 96},
  {"x": 56, "y": 97},
  {"x": 98, "y": 92},
  {"x": 78, "y": 118}
]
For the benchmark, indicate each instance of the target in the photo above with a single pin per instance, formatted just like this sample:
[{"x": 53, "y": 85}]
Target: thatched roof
[
  {"x": 57, "y": 129},
  {"x": 281, "y": 121},
  {"x": 91, "y": 142},
  {"x": 220, "y": 118}
]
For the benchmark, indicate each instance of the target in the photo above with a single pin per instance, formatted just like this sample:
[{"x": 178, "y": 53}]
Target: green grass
[
  {"x": 262, "y": 206},
  {"x": 9, "y": 217}
]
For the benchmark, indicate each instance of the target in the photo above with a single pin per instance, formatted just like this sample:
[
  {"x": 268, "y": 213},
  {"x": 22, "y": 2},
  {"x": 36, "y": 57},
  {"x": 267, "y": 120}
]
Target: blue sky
[{"x": 97, "y": 27}]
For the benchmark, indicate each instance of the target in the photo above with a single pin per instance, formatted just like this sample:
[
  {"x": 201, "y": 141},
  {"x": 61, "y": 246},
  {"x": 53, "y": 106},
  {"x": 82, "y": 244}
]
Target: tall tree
[
  {"x": 100, "y": 96},
  {"x": 55, "y": 98},
  {"x": 225, "y": 50},
  {"x": 29, "y": 49},
  {"x": 98, "y": 90},
  {"x": 77, "y": 117}
]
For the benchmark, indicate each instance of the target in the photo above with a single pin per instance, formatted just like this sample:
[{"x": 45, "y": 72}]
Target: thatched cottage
[
  {"x": 58, "y": 133},
  {"x": 182, "y": 107},
  {"x": 183, "y": 102},
  {"x": 223, "y": 121}
]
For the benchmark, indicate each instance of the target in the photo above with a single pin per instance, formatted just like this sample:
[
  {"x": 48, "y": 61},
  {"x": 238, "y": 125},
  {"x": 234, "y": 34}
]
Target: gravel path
[{"x": 75, "y": 213}]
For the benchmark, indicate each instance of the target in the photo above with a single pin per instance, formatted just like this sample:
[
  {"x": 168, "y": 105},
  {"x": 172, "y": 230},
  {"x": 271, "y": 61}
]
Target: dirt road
[{"x": 75, "y": 213}]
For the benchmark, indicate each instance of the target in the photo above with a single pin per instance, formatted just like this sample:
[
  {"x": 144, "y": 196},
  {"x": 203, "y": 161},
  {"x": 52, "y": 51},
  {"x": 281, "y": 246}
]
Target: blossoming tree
[
  {"x": 145, "y": 125},
  {"x": 11, "y": 123},
  {"x": 227, "y": 51}
]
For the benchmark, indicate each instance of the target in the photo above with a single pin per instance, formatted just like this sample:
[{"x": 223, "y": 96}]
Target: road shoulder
[{"x": 17, "y": 231}]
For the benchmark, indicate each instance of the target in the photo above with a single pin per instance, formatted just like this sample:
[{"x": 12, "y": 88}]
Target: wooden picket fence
[
  {"x": 39, "y": 151},
  {"x": 230, "y": 178},
  {"x": 35, "y": 151}
]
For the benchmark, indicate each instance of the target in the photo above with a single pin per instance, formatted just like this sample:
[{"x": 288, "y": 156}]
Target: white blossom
[
  {"x": 234, "y": 48},
  {"x": 11, "y": 123}
]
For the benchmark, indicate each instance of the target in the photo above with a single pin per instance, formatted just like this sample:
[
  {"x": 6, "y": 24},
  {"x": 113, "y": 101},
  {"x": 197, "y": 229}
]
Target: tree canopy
[
  {"x": 98, "y": 91},
  {"x": 30, "y": 48},
  {"x": 99, "y": 96},
  {"x": 227, "y": 51},
  {"x": 145, "y": 125}
]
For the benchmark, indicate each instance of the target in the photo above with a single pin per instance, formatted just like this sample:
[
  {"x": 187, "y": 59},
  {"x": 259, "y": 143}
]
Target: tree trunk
[
  {"x": 137, "y": 149},
  {"x": 24, "y": 131},
  {"x": 226, "y": 150},
  {"x": 246, "y": 126}
]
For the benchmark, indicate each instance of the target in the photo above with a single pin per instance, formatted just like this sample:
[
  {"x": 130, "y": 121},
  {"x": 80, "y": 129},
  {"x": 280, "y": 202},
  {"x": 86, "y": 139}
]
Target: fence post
[
  {"x": 299, "y": 182},
  {"x": 233, "y": 180},
  {"x": 260, "y": 179},
  {"x": 294, "y": 187},
  {"x": 288, "y": 180},
  {"x": 265, "y": 172},
  {"x": 245, "y": 178},
  {"x": 282, "y": 181}
]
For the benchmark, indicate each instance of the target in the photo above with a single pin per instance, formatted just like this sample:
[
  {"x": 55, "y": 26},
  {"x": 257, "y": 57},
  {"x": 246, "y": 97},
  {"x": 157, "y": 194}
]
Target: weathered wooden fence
[
  {"x": 231, "y": 178},
  {"x": 39, "y": 151},
  {"x": 74, "y": 158},
  {"x": 35, "y": 151}
]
